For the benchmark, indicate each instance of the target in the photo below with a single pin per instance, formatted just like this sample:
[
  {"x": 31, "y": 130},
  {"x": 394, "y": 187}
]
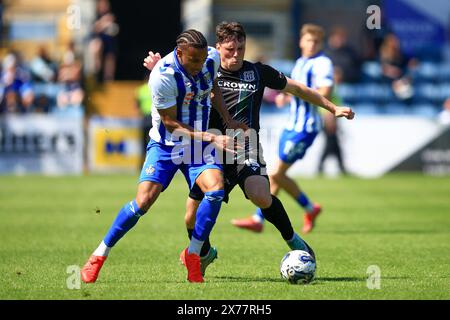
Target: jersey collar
[
  {"x": 180, "y": 67},
  {"x": 314, "y": 56}
]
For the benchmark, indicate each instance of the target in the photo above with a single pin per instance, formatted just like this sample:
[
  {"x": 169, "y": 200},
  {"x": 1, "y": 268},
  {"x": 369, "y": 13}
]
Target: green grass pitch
[{"x": 399, "y": 223}]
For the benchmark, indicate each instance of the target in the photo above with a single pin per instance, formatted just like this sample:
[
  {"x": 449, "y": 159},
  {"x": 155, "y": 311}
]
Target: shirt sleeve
[
  {"x": 272, "y": 78},
  {"x": 163, "y": 87},
  {"x": 215, "y": 56},
  {"x": 323, "y": 72}
]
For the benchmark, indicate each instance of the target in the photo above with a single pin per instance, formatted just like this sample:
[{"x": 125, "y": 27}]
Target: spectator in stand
[
  {"x": 43, "y": 70},
  {"x": 42, "y": 67},
  {"x": 444, "y": 115},
  {"x": 103, "y": 46},
  {"x": 16, "y": 89},
  {"x": 70, "y": 76},
  {"x": 395, "y": 67},
  {"x": 393, "y": 63},
  {"x": 371, "y": 39},
  {"x": 343, "y": 55}
]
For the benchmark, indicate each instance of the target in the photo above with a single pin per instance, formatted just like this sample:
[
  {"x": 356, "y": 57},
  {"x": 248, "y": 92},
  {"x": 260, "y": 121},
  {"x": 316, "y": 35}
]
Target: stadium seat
[
  {"x": 284, "y": 66},
  {"x": 395, "y": 109},
  {"x": 445, "y": 90},
  {"x": 366, "y": 109},
  {"x": 347, "y": 92},
  {"x": 49, "y": 89},
  {"x": 426, "y": 72},
  {"x": 429, "y": 92},
  {"x": 371, "y": 71},
  {"x": 425, "y": 110},
  {"x": 443, "y": 72}
]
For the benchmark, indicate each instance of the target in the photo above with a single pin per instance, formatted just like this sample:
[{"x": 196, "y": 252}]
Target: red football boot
[
  {"x": 91, "y": 269},
  {"x": 249, "y": 224},
  {"x": 309, "y": 218},
  {"x": 192, "y": 264}
]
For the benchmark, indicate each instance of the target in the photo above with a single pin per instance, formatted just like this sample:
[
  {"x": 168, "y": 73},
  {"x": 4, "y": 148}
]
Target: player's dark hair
[
  {"x": 228, "y": 31},
  {"x": 192, "y": 38}
]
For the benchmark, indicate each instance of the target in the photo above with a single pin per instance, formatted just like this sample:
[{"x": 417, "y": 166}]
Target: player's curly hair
[
  {"x": 192, "y": 38},
  {"x": 228, "y": 31}
]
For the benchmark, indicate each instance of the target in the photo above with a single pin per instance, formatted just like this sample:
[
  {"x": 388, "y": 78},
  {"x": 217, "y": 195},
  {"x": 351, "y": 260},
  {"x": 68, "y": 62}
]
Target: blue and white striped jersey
[
  {"x": 314, "y": 72},
  {"x": 172, "y": 86}
]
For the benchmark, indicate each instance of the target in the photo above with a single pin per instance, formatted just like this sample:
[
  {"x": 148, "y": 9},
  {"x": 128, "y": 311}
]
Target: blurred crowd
[
  {"x": 378, "y": 76},
  {"x": 45, "y": 84},
  {"x": 41, "y": 85}
]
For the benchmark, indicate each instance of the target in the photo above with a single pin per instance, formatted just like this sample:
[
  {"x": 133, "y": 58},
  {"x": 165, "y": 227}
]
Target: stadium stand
[{"x": 431, "y": 86}]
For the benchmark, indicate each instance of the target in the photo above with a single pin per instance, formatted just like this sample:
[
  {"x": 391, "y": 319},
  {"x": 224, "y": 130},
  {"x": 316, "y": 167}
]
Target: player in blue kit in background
[
  {"x": 182, "y": 87},
  {"x": 315, "y": 71}
]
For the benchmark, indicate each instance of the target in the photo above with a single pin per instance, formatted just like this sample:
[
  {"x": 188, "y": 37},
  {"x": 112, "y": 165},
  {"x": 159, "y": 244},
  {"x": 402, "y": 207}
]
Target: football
[{"x": 298, "y": 267}]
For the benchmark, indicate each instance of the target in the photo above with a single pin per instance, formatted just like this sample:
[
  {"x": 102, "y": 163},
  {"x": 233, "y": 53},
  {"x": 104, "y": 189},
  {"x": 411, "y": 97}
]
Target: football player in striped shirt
[
  {"x": 182, "y": 87},
  {"x": 242, "y": 84}
]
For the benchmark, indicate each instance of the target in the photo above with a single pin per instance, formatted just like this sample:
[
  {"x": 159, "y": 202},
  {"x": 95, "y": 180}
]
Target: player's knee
[
  {"x": 277, "y": 176},
  {"x": 145, "y": 200},
  {"x": 214, "y": 186},
  {"x": 210, "y": 180},
  {"x": 262, "y": 201}
]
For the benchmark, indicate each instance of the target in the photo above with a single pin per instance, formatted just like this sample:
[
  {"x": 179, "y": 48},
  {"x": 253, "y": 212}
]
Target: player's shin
[
  {"x": 276, "y": 214},
  {"x": 207, "y": 213},
  {"x": 127, "y": 217}
]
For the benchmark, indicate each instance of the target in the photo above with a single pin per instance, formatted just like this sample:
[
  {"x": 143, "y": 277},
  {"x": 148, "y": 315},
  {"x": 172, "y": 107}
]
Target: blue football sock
[
  {"x": 127, "y": 217},
  {"x": 303, "y": 200},
  {"x": 207, "y": 213},
  {"x": 258, "y": 216}
]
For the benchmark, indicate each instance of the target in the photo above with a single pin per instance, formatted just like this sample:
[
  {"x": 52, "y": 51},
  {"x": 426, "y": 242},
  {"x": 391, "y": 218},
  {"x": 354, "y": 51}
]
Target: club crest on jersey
[
  {"x": 249, "y": 75},
  {"x": 159, "y": 99},
  {"x": 207, "y": 77},
  {"x": 150, "y": 170}
]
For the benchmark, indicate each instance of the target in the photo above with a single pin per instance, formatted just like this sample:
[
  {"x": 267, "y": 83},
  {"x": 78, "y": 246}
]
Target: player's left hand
[
  {"x": 344, "y": 112},
  {"x": 151, "y": 60}
]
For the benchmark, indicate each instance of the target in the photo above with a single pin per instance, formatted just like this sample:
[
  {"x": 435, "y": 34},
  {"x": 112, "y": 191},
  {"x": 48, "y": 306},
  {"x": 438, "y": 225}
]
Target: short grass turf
[{"x": 398, "y": 223}]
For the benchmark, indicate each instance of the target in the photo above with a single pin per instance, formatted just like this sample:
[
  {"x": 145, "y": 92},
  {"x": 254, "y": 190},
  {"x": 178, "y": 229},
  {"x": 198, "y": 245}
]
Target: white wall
[{"x": 371, "y": 145}]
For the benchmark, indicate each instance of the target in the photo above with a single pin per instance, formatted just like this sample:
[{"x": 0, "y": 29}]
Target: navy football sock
[
  {"x": 303, "y": 200},
  {"x": 207, "y": 213},
  {"x": 276, "y": 214}
]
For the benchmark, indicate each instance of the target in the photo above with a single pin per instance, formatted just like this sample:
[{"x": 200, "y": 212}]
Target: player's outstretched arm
[{"x": 299, "y": 90}]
